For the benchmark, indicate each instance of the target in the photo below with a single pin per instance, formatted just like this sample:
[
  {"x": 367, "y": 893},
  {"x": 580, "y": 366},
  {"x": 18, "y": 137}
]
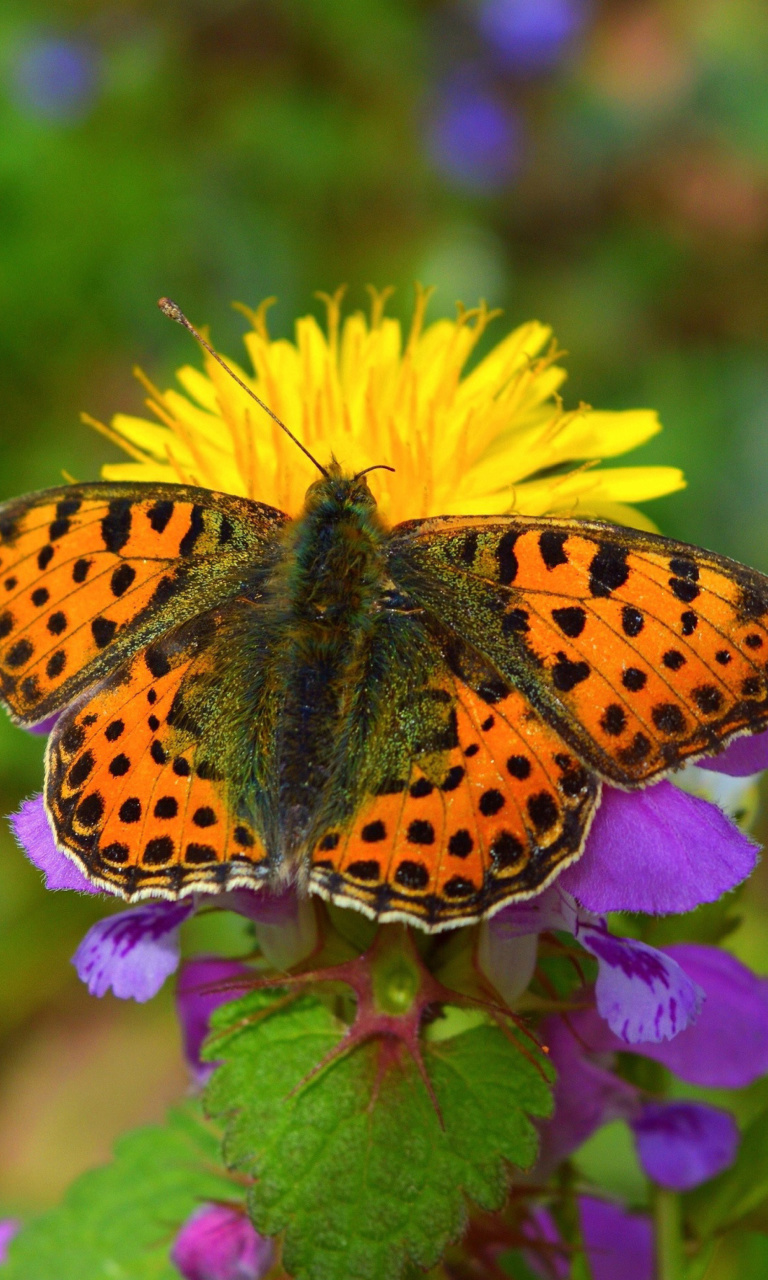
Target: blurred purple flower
[
  {"x": 474, "y": 140},
  {"x": 217, "y": 1242},
  {"x": 197, "y": 995},
  {"x": 56, "y": 78},
  {"x": 9, "y": 1227},
  {"x": 531, "y": 36},
  {"x": 681, "y": 1144},
  {"x": 660, "y": 851},
  {"x": 587, "y": 1095},
  {"x": 616, "y": 1243}
]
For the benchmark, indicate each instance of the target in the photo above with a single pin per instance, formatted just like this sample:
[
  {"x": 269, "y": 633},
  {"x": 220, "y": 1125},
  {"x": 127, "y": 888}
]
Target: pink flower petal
[
  {"x": 659, "y": 851},
  {"x": 681, "y": 1144},
  {"x": 133, "y": 952},
  {"x": 742, "y": 757},
  {"x": 728, "y": 1046},
  {"x": 643, "y": 994},
  {"x": 197, "y": 995},
  {"x": 218, "y": 1243},
  {"x": 9, "y": 1227},
  {"x": 33, "y": 832}
]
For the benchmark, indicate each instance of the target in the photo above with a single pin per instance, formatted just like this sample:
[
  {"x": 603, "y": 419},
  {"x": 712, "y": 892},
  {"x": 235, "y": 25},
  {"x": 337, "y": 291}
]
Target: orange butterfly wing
[
  {"x": 141, "y": 784},
  {"x": 115, "y": 601},
  {"x": 494, "y": 817},
  {"x": 576, "y": 651},
  {"x": 90, "y": 573},
  {"x": 643, "y": 652}
]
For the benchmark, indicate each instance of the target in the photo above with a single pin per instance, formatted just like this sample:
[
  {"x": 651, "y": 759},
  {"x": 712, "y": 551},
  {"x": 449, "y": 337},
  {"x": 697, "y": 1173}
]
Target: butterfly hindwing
[
  {"x": 89, "y": 573},
  {"x": 642, "y": 652},
  {"x": 483, "y": 803},
  {"x": 146, "y": 774}
]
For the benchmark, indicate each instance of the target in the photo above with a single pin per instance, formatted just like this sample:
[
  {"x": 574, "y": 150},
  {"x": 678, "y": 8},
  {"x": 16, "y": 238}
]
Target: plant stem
[{"x": 670, "y": 1254}]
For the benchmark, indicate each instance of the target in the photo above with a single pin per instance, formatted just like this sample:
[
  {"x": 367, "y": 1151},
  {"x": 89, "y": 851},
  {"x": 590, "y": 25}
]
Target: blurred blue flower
[
  {"x": 531, "y": 36},
  {"x": 474, "y": 139},
  {"x": 56, "y": 79}
]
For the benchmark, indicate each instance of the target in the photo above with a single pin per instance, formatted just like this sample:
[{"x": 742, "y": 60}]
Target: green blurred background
[{"x": 600, "y": 166}]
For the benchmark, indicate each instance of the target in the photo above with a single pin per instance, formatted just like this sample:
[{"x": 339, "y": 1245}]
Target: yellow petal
[{"x": 579, "y": 492}]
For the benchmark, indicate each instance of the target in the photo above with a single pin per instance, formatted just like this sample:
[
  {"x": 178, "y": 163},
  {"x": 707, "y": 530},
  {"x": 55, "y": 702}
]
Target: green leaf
[
  {"x": 736, "y": 1192},
  {"x": 119, "y": 1222},
  {"x": 353, "y": 1163}
]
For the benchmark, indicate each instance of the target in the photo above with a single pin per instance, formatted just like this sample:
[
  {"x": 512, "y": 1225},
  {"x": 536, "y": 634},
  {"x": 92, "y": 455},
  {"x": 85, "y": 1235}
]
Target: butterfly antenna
[
  {"x": 379, "y": 466},
  {"x": 175, "y": 312}
]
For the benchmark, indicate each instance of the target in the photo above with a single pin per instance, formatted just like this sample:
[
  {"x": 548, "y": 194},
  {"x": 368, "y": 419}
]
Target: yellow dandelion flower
[{"x": 492, "y": 440}]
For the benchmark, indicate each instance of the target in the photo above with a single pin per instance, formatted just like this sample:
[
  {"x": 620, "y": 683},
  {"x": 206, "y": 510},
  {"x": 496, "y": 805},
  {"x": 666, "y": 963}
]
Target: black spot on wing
[
  {"x": 116, "y": 525},
  {"x": 412, "y": 875},
  {"x": 609, "y": 569},
  {"x": 752, "y": 603},
  {"x": 469, "y": 547},
  {"x": 567, "y": 674},
  {"x": 160, "y": 514},
  {"x": 122, "y": 578},
  {"x": 514, "y": 622},
  {"x": 196, "y": 528},
  {"x": 103, "y": 630},
  {"x": 551, "y": 546},
  {"x": 365, "y": 869},
  {"x": 507, "y": 560},
  {"x": 570, "y": 620}
]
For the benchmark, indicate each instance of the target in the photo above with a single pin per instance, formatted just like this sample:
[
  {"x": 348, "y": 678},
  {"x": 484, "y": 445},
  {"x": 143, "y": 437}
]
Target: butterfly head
[{"x": 339, "y": 492}]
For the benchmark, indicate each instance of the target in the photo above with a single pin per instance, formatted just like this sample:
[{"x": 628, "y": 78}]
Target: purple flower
[
  {"x": 587, "y": 1095},
  {"x": 218, "y": 1243},
  {"x": 617, "y": 1243},
  {"x": 33, "y": 832},
  {"x": 659, "y": 851},
  {"x": 643, "y": 993},
  {"x": 728, "y": 1046},
  {"x": 198, "y": 993},
  {"x": 56, "y": 79},
  {"x": 133, "y": 952},
  {"x": 741, "y": 758},
  {"x": 9, "y": 1227},
  {"x": 474, "y": 139},
  {"x": 530, "y": 36},
  {"x": 681, "y": 1144}
]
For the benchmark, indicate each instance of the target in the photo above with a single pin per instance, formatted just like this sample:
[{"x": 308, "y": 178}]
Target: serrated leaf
[
  {"x": 737, "y": 1191},
  {"x": 353, "y": 1163},
  {"x": 119, "y": 1222}
]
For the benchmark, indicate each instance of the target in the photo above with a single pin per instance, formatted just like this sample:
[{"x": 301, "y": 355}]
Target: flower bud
[{"x": 217, "y": 1242}]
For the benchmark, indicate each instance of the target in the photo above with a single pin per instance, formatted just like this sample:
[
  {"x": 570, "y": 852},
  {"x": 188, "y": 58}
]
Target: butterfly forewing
[
  {"x": 642, "y": 652},
  {"x": 90, "y": 573}
]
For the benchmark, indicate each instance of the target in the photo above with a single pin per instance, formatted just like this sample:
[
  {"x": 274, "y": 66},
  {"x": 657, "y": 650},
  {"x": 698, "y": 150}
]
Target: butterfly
[{"x": 413, "y": 721}]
